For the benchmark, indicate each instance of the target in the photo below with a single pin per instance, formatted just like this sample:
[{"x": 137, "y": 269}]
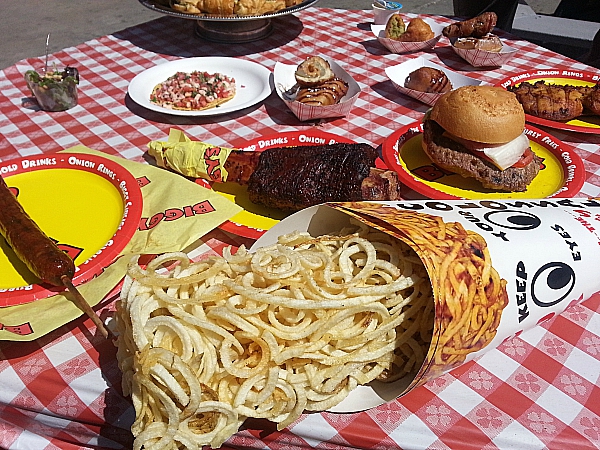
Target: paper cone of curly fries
[{"x": 496, "y": 268}]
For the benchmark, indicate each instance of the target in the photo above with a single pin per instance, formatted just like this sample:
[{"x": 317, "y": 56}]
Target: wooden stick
[{"x": 84, "y": 305}]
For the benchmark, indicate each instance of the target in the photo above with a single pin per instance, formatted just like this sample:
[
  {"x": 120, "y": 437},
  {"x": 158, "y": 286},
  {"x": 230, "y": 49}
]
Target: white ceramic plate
[{"x": 253, "y": 83}]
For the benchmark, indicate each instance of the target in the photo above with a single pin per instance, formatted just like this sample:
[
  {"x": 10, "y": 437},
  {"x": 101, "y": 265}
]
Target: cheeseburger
[{"x": 478, "y": 132}]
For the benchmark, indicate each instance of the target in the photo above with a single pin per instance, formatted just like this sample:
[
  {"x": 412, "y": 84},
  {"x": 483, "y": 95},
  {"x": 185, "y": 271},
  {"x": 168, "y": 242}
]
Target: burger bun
[
  {"x": 486, "y": 114},
  {"x": 470, "y": 126}
]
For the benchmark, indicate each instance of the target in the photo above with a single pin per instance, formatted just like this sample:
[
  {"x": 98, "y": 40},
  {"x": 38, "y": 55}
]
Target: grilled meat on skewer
[
  {"x": 293, "y": 178},
  {"x": 550, "y": 101}
]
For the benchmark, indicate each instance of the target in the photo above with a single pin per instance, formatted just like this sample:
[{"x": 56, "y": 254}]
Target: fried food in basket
[
  {"x": 324, "y": 94},
  {"x": 313, "y": 71},
  {"x": 417, "y": 31},
  {"x": 476, "y": 27},
  {"x": 318, "y": 85},
  {"x": 395, "y": 27},
  {"x": 293, "y": 327},
  {"x": 428, "y": 79},
  {"x": 559, "y": 102},
  {"x": 488, "y": 43}
]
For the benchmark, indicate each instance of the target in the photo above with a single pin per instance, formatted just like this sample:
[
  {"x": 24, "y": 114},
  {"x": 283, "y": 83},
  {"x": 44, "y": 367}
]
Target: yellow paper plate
[
  {"x": 561, "y": 175},
  {"x": 90, "y": 206},
  {"x": 562, "y": 76}
]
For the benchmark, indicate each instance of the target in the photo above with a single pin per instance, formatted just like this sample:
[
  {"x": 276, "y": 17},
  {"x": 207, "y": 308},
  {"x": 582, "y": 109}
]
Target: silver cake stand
[{"x": 228, "y": 29}]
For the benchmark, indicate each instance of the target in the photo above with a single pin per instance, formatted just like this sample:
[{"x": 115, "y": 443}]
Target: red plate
[
  {"x": 582, "y": 124},
  {"x": 89, "y": 205},
  {"x": 562, "y": 174},
  {"x": 256, "y": 219}
]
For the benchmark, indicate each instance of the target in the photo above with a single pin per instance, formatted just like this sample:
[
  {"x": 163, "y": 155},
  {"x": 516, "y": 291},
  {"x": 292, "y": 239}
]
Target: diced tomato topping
[{"x": 195, "y": 90}]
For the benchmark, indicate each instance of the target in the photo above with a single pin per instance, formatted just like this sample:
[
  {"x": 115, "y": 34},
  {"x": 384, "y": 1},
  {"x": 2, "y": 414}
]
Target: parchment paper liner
[{"x": 545, "y": 251}]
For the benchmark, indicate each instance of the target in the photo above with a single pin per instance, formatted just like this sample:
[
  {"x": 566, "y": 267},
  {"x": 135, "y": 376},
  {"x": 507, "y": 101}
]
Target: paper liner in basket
[
  {"x": 497, "y": 268},
  {"x": 285, "y": 81},
  {"x": 176, "y": 213}
]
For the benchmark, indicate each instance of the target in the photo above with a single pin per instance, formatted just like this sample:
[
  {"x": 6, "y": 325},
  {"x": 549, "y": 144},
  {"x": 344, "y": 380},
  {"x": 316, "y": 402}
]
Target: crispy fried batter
[
  {"x": 476, "y": 27},
  {"x": 428, "y": 79},
  {"x": 417, "y": 31},
  {"x": 591, "y": 100},
  {"x": 550, "y": 101}
]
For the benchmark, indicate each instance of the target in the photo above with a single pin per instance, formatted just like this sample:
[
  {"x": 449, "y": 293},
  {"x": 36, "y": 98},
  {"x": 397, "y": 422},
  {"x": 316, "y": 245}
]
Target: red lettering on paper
[
  {"x": 212, "y": 151},
  {"x": 70, "y": 250},
  {"x": 147, "y": 224},
  {"x": 203, "y": 207},
  {"x": 212, "y": 168},
  {"x": 142, "y": 181},
  {"x": 172, "y": 214}
]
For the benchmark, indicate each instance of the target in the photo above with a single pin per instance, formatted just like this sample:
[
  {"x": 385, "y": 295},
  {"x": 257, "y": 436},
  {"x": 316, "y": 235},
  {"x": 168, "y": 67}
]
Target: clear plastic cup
[{"x": 54, "y": 91}]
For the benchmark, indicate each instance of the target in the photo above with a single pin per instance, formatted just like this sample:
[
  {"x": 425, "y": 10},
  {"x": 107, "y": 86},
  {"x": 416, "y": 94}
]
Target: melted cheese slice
[{"x": 502, "y": 155}]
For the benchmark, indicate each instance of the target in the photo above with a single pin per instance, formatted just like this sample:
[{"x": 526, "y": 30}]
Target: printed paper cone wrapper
[{"x": 496, "y": 268}]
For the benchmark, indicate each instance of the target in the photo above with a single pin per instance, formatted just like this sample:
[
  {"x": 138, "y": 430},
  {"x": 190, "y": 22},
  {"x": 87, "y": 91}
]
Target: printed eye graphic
[
  {"x": 513, "y": 220},
  {"x": 552, "y": 283}
]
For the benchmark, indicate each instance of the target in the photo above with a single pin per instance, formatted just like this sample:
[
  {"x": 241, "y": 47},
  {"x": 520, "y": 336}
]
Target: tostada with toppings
[{"x": 194, "y": 91}]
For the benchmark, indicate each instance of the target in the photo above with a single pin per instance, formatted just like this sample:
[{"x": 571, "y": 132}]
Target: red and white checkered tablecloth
[{"x": 538, "y": 390}]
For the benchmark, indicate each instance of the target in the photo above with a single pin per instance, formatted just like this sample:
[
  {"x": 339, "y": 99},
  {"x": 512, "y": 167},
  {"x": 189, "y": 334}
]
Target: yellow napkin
[
  {"x": 164, "y": 193},
  {"x": 190, "y": 158}
]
